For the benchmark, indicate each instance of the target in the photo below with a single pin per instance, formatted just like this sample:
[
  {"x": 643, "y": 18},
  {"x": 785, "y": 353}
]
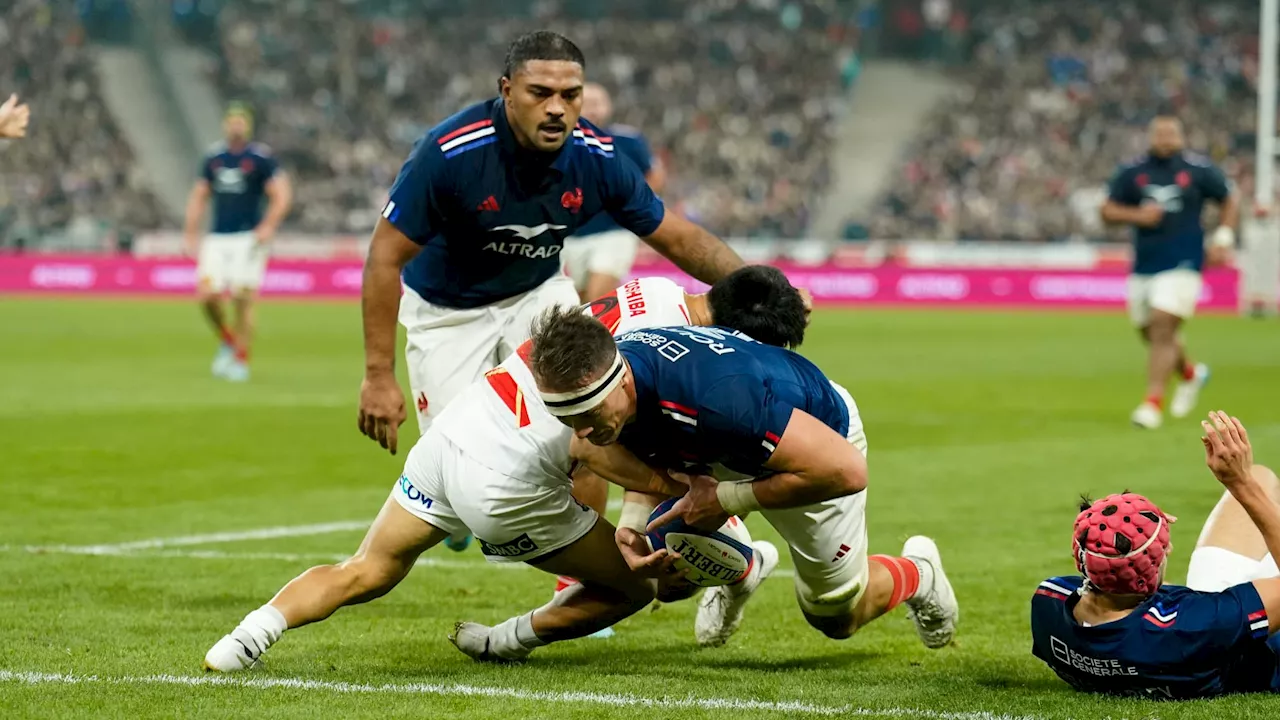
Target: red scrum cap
[{"x": 1120, "y": 544}]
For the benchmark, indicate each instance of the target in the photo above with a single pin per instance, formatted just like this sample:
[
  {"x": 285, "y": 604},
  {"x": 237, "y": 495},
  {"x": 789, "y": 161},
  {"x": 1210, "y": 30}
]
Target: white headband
[{"x": 586, "y": 398}]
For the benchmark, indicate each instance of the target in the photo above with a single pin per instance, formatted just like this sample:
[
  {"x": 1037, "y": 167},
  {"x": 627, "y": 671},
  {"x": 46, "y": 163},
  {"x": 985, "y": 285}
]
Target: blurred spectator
[{"x": 1054, "y": 97}]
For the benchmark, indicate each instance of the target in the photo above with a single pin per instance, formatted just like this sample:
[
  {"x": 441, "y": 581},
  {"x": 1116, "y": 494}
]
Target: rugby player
[
  {"x": 600, "y": 254},
  {"x": 499, "y": 465},
  {"x": 14, "y": 118},
  {"x": 711, "y": 400},
  {"x": 1121, "y": 630},
  {"x": 238, "y": 175},
  {"x": 1161, "y": 194},
  {"x": 474, "y": 226}
]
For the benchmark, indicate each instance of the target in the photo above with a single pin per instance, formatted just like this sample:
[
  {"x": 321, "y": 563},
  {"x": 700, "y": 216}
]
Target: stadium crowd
[
  {"x": 1051, "y": 97},
  {"x": 76, "y": 175},
  {"x": 739, "y": 104}
]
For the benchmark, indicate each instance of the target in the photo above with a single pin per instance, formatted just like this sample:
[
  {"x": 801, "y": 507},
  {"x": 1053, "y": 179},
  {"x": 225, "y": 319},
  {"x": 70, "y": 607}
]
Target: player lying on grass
[
  {"x": 706, "y": 399},
  {"x": 1121, "y": 630},
  {"x": 497, "y": 464}
]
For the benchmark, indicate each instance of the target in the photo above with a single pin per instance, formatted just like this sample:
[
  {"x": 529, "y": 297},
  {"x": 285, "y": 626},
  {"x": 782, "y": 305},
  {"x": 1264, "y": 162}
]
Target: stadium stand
[
  {"x": 1052, "y": 96},
  {"x": 740, "y": 105},
  {"x": 73, "y": 181}
]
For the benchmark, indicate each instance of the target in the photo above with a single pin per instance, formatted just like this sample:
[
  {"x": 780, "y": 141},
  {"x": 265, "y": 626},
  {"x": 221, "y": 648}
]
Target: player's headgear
[
  {"x": 574, "y": 360},
  {"x": 1120, "y": 544}
]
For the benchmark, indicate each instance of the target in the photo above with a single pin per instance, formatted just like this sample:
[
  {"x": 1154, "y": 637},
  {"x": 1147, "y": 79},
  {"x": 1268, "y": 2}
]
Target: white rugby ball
[{"x": 722, "y": 557}]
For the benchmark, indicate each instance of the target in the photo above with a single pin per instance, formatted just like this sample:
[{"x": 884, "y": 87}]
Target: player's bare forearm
[
  {"x": 621, "y": 467},
  {"x": 389, "y": 251},
  {"x": 197, "y": 200},
  {"x": 693, "y": 249},
  {"x": 1230, "y": 215},
  {"x": 812, "y": 463},
  {"x": 1114, "y": 213},
  {"x": 279, "y": 201},
  {"x": 792, "y": 490}
]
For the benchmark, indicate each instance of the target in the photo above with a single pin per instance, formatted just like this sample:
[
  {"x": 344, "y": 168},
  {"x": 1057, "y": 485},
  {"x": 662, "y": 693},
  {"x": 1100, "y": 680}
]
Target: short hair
[
  {"x": 540, "y": 45},
  {"x": 760, "y": 301},
  {"x": 570, "y": 349}
]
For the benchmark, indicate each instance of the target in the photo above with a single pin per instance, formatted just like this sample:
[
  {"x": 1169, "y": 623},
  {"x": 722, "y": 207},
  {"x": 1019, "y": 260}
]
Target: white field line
[
  {"x": 266, "y": 533},
  {"x": 481, "y": 691},
  {"x": 436, "y": 560}
]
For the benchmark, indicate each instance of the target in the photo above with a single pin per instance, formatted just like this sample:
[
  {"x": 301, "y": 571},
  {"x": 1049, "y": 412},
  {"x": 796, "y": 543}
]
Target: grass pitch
[{"x": 146, "y": 507}]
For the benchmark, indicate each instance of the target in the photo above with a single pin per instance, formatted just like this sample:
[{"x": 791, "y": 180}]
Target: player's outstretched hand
[
  {"x": 381, "y": 409},
  {"x": 1227, "y": 451},
  {"x": 640, "y": 557},
  {"x": 14, "y": 118},
  {"x": 700, "y": 507}
]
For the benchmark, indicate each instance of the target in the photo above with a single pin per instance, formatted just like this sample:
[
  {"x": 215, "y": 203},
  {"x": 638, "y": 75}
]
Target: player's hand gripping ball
[{"x": 722, "y": 557}]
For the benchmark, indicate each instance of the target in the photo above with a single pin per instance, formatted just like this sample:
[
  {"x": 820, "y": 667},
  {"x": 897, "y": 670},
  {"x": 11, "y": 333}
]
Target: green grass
[{"x": 983, "y": 429}]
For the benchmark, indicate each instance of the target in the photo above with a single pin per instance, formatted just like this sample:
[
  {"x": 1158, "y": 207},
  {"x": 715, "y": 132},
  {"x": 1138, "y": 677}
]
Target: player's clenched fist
[
  {"x": 381, "y": 409},
  {"x": 14, "y": 118},
  {"x": 1227, "y": 451}
]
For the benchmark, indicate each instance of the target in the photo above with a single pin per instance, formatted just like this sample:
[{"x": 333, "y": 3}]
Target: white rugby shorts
[
  {"x": 513, "y": 520},
  {"x": 1173, "y": 291},
  {"x": 1214, "y": 569},
  {"x": 608, "y": 253},
  {"x": 447, "y": 349},
  {"x": 828, "y": 541},
  {"x": 233, "y": 262}
]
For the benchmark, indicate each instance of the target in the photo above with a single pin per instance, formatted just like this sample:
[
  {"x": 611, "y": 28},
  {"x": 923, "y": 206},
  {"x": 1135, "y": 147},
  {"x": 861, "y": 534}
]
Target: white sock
[
  {"x": 926, "y": 578},
  {"x": 514, "y": 639},
  {"x": 265, "y": 625}
]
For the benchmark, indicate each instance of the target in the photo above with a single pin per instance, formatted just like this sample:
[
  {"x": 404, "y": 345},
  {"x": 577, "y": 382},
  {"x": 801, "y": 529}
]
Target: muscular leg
[
  {"x": 388, "y": 552},
  {"x": 1163, "y": 353},
  {"x": 243, "y": 304},
  {"x": 607, "y": 593},
  {"x": 211, "y": 304},
  {"x": 1230, "y": 546}
]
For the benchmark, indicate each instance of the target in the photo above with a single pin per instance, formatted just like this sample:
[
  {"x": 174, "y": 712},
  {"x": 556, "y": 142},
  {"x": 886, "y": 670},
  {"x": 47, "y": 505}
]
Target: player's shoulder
[
  {"x": 592, "y": 142},
  {"x": 470, "y": 128},
  {"x": 1132, "y": 164},
  {"x": 1060, "y": 588},
  {"x": 216, "y": 149},
  {"x": 260, "y": 149},
  {"x": 1197, "y": 160}
]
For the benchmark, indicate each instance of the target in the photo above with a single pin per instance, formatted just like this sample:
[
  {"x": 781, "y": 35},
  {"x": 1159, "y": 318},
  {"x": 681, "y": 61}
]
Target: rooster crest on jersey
[{"x": 1120, "y": 544}]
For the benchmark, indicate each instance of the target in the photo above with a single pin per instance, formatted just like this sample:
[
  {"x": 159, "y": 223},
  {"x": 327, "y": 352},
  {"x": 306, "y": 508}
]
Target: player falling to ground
[
  {"x": 711, "y": 400},
  {"x": 599, "y": 256},
  {"x": 14, "y": 117},
  {"x": 239, "y": 175},
  {"x": 475, "y": 224},
  {"x": 1121, "y": 630},
  {"x": 498, "y": 464},
  {"x": 1161, "y": 194}
]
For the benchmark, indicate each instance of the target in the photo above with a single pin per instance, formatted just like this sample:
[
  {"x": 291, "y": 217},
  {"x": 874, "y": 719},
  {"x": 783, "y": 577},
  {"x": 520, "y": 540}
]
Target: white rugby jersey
[{"x": 500, "y": 420}]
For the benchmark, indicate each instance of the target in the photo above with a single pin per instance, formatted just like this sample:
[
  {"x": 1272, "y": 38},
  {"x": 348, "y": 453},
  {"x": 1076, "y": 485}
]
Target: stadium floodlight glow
[{"x": 1260, "y": 230}]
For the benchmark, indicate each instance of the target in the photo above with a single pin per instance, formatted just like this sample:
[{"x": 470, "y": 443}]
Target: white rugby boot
[
  {"x": 1147, "y": 416},
  {"x": 720, "y": 609},
  {"x": 933, "y": 610},
  {"x": 222, "y": 360},
  {"x": 1187, "y": 393},
  {"x": 500, "y": 643}
]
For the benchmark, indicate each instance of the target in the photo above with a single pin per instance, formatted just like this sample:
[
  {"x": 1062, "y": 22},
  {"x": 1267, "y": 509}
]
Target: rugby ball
[{"x": 715, "y": 558}]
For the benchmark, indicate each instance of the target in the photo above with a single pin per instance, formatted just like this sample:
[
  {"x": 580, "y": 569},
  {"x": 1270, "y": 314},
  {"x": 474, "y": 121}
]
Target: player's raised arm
[{"x": 1230, "y": 456}]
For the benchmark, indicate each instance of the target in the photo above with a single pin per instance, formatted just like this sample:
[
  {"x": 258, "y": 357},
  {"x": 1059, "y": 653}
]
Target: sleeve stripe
[
  {"x": 1259, "y": 625},
  {"x": 1054, "y": 587},
  {"x": 390, "y": 208}
]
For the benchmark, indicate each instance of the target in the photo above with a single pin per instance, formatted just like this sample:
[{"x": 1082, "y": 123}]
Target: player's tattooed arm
[
  {"x": 621, "y": 467},
  {"x": 693, "y": 249},
  {"x": 381, "y": 400}
]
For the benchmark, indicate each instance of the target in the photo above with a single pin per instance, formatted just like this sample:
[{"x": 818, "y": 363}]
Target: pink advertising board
[{"x": 884, "y": 285}]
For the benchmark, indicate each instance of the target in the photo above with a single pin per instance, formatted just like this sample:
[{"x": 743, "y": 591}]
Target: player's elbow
[
  {"x": 1108, "y": 213},
  {"x": 848, "y": 478}
]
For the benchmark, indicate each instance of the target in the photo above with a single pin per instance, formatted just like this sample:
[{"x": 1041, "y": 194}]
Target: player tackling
[
  {"x": 237, "y": 175},
  {"x": 599, "y": 256},
  {"x": 782, "y": 439},
  {"x": 1121, "y": 630},
  {"x": 475, "y": 224},
  {"x": 1161, "y": 194},
  {"x": 499, "y": 465}
]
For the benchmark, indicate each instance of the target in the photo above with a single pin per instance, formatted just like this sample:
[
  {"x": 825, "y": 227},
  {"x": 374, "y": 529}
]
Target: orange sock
[
  {"x": 1189, "y": 370},
  {"x": 228, "y": 338},
  {"x": 906, "y": 578},
  {"x": 1157, "y": 401}
]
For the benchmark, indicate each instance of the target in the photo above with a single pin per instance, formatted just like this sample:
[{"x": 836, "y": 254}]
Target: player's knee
[
  {"x": 1163, "y": 329},
  {"x": 836, "y": 627},
  {"x": 366, "y": 576}
]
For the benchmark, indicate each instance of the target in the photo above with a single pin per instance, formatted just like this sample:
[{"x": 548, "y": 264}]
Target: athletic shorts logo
[
  {"x": 413, "y": 493},
  {"x": 522, "y": 545}
]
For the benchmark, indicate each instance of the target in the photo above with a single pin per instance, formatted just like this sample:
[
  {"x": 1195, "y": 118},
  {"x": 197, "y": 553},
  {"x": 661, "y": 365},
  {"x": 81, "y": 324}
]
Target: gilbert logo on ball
[{"x": 722, "y": 557}]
